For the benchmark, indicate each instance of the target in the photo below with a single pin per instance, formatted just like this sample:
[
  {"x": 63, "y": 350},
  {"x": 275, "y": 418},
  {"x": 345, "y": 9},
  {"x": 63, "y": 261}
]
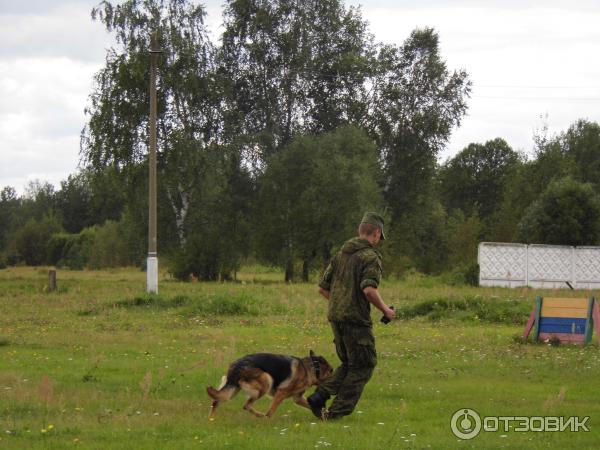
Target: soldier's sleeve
[
  {"x": 325, "y": 282},
  {"x": 371, "y": 273}
]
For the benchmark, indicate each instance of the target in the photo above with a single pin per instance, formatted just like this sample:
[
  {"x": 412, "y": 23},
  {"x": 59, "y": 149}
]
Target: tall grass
[{"x": 477, "y": 308}]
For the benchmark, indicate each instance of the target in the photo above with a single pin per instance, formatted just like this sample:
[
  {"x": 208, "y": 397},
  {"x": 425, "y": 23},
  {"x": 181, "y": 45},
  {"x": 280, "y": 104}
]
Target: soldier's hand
[{"x": 390, "y": 313}]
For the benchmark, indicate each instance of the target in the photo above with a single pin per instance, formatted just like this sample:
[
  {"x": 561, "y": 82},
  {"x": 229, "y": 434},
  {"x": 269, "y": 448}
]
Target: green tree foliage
[
  {"x": 284, "y": 69},
  {"x": 464, "y": 235},
  {"x": 74, "y": 202},
  {"x": 567, "y": 213},
  {"x": 581, "y": 143},
  {"x": 90, "y": 197},
  {"x": 417, "y": 102},
  {"x": 9, "y": 206},
  {"x": 312, "y": 195},
  {"x": 38, "y": 201},
  {"x": 70, "y": 250},
  {"x": 95, "y": 247},
  {"x": 108, "y": 248},
  {"x": 218, "y": 225},
  {"x": 475, "y": 179},
  {"x": 32, "y": 239},
  {"x": 419, "y": 241},
  {"x": 188, "y": 116},
  {"x": 551, "y": 162},
  {"x": 292, "y": 67}
]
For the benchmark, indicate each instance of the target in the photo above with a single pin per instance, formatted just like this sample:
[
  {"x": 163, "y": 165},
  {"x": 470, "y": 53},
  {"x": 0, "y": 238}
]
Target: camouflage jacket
[{"x": 356, "y": 266}]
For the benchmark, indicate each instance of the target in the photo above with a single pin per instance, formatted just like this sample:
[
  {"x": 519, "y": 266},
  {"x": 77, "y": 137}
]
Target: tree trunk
[
  {"x": 305, "y": 270},
  {"x": 289, "y": 270},
  {"x": 180, "y": 213}
]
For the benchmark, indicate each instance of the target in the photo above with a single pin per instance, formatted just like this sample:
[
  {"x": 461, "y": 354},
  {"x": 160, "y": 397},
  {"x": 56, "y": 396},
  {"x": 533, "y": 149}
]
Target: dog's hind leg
[
  {"x": 256, "y": 386},
  {"x": 248, "y": 407},
  {"x": 213, "y": 409},
  {"x": 226, "y": 392},
  {"x": 254, "y": 392}
]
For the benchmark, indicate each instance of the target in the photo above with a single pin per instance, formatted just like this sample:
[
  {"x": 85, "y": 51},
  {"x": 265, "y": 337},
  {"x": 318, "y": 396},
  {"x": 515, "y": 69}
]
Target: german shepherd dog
[{"x": 280, "y": 376}]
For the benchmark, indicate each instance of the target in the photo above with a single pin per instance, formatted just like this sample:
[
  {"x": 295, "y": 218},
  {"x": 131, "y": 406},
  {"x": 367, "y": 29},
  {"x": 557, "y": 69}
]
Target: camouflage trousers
[{"x": 355, "y": 346}]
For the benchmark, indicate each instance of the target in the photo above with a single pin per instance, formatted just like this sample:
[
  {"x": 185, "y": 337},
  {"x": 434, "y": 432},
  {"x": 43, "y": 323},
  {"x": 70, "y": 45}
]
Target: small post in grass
[{"x": 51, "y": 280}]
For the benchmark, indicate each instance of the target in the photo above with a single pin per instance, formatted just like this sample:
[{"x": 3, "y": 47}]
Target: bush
[
  {"x": 466, "y": 274},
  {"x": 58, "y": 247},
  {"x": 108, "y": 248},
  {"x": 203, "y": 259},
  {"x": 79, "y": 253},
  {"x": 3, "y": 261},
  {"x": 94, "y": 247},
  {"x": 566, "y": 213},
  {"x": 31, "y": 240},
  {"x": 472, "y": 275},
  {"x": 470, "y": 308},
  {"x": 71, "y": 250}
]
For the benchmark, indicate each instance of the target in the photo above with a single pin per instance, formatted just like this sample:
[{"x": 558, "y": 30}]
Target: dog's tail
[{"x": 225, "y": 391}]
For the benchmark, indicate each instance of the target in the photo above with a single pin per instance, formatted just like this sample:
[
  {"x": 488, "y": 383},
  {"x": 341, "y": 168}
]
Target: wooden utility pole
[{"x": 152, "y": 261}]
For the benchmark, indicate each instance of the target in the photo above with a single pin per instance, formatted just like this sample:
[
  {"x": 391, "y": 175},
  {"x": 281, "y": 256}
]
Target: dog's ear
[{"x": 311, "y": 353}]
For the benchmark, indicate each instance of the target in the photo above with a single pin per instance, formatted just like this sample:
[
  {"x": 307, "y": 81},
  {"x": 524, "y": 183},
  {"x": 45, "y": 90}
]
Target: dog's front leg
[{"x": 277, "y": 399}]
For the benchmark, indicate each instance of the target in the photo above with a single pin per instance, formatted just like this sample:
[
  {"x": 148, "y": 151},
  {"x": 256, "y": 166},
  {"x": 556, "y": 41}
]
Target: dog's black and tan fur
[{"x": 281, "y": 376}]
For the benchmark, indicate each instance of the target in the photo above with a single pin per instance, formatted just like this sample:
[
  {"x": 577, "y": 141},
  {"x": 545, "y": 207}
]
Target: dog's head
[{"x": 322, "y": 368}]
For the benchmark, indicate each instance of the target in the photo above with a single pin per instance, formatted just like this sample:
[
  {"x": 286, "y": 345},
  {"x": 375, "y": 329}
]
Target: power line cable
[
  {"x": 531, "y": 87},
  {"x": 509, "y": 97}
]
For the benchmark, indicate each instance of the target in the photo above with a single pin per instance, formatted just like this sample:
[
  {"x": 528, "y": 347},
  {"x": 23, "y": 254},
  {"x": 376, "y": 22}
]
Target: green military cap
[{"x": 374, "y": 219}]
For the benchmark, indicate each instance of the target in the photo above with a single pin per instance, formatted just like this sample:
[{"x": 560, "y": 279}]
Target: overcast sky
[{"x": 531, "y": 62}]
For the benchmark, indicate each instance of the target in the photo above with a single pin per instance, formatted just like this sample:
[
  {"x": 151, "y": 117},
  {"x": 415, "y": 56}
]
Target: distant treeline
[{"x": 273, "y": 142}]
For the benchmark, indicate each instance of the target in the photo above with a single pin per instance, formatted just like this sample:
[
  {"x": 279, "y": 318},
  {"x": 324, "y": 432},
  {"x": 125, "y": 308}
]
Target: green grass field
[{"x": 100, "y": 365}]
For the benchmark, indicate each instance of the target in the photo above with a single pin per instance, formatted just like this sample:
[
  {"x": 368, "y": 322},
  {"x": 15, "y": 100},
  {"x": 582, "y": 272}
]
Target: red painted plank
[
  {"x": 529, "y": 325},
  {"x": 565, "y": 338},
  {"x": 596, "y": 317}
]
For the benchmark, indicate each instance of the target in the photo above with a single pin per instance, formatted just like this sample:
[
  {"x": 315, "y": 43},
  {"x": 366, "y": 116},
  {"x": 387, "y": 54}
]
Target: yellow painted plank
[
  {"x": 566, "y": 302},
  {"x": 576, "y": 313}
]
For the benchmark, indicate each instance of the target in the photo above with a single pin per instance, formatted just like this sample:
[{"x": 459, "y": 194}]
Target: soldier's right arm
[
  {"x": 370, "y": 279},
  {"x": 372, "y": 294}
]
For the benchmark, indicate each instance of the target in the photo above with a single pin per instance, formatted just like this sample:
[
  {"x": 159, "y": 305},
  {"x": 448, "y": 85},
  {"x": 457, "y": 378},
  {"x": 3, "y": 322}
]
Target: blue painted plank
[
  {"x": 561, "y": 329},
  {"x": 562, "y": 325},
  {"x": 562, "y": 320}
]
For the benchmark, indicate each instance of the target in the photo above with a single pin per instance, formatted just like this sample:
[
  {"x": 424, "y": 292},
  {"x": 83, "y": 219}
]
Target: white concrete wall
[{"x": 540, "y": 266}]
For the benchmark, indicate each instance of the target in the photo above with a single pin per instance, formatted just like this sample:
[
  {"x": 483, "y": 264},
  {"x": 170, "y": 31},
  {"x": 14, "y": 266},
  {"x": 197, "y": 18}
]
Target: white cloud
[
  {"x": 41, "y": 117},
  {"x": 545, "y": 48},
  {"x": 65, "y": 31}
]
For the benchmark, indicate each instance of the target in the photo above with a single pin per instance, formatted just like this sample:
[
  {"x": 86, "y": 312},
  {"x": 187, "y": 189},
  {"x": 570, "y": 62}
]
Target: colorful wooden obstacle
[{"x": 570, "y": 320}]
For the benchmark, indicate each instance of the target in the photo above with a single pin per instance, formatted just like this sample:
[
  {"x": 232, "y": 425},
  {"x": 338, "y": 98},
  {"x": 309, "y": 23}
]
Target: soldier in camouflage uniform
[{"x": 350, "y": 284}]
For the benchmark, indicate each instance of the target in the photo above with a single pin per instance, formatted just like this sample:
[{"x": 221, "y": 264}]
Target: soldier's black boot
[{"x": 317, "y": 402}]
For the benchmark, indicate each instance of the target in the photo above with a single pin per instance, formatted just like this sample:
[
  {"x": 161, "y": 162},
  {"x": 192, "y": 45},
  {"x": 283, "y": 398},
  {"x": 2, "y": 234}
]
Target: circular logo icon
[{"x": 465, "y": 423}]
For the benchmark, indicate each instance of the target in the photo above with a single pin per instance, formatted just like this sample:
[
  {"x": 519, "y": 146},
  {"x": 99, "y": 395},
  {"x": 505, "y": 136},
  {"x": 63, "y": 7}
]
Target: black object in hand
[{"x": 384, "y": 319}]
